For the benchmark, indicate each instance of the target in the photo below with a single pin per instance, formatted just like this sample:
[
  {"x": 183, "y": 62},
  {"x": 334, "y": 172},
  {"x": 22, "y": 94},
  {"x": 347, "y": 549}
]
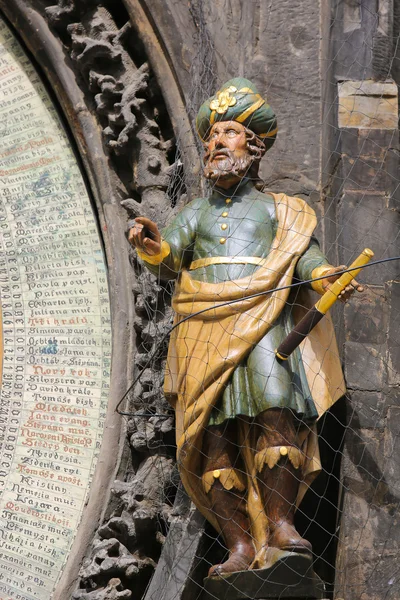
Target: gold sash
[{"x": 228, "y": 260}]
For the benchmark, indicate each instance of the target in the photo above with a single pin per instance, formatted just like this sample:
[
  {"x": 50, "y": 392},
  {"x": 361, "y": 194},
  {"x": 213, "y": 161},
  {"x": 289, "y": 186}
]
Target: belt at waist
[{"x": 227, "y": 260}]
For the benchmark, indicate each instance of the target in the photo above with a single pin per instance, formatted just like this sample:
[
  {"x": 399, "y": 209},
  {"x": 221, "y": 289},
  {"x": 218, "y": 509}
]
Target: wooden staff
[{"x": 317, "y": 312}]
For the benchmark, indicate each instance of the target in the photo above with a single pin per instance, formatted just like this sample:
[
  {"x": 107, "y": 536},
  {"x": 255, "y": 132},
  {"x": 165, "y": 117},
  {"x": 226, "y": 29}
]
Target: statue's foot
[
  {"x": 240, "y": 559},
  {"x": 285, "y": 537}
]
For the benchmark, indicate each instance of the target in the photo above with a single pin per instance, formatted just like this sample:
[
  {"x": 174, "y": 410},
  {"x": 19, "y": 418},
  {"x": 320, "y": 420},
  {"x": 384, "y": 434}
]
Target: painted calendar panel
[{"x": 55, "y": 339}]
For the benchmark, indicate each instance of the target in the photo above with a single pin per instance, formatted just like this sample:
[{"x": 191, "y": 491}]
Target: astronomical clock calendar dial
[{"x": 56, "y": 337}]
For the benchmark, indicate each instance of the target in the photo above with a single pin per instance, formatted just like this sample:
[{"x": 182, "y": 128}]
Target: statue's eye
[{"x": 231, "y": 133}]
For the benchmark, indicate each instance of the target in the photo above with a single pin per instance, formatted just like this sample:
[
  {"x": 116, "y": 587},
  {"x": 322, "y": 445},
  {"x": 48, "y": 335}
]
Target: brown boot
[
  {"x": 225, "y": 487},
  {"x": 279, "y": 464},
  {"x": 229, "y": 507},
  {"x": 279, "y": 486}
]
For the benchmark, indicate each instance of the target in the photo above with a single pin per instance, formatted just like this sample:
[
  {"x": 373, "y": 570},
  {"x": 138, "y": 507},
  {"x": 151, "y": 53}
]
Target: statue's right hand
[{"x": 145, "y": 236}]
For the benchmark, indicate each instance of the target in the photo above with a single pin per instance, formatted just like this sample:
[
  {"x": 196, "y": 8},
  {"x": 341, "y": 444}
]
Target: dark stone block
[
  {"x": 370, "y": 162},
  {"x": 394, "y": 197},
  {"x": 392, "y": 446},
  {"x": 370, "y": 576},
  {"x": 370, "y": 174},
  {"x": 368, "y": 143},
  {"x": 353, "y": 55},
  {"x": 366, "y": 316},
  {"x": 392, "y": 189},
  {"x": 372, "y": 521},
  {"x": 363, "y": 462},
  {"x": 392, "y": 396},
  {"x": 364, "y": 366},
  {"x": 366, "y": 410},
  {"x": 370, "y": 475},
  {"x": 393, "y": 340},
  {"x": 365, "y": 221}
]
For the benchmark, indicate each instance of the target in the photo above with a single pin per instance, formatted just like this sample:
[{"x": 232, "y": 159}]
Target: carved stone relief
[
  {"x": 122, "y": 89},
  {"x": 136, "y": 130}
]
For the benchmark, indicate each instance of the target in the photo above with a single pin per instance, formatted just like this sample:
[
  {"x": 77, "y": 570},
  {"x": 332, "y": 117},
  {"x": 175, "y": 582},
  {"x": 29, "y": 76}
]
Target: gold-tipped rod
[{"x": 317, "y": 312}]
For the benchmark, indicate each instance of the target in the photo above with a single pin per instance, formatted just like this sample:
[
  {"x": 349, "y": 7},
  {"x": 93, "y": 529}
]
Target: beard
[{"x": 228, "y": 167}]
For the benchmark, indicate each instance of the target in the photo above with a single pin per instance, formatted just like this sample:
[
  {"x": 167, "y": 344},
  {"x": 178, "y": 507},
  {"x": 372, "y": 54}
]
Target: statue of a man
[{"x": 244, "y": 420}]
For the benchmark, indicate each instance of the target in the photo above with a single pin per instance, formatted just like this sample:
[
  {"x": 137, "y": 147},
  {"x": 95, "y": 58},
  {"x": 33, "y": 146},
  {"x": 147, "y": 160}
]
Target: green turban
[{"x": 239, "y": 100}]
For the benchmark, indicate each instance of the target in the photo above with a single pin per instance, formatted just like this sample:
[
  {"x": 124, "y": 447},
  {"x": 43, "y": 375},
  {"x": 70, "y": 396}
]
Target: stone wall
[
  {"x": 366, "y": 200},
  {"x": 275, "y": 46}
]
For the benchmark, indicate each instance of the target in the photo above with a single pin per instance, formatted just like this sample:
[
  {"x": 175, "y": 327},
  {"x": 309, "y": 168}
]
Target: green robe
[{"x": 260, "y": 382}]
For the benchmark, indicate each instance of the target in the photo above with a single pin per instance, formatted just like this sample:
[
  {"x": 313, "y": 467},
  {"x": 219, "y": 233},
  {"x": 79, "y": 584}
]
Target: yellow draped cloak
[{"x": 205, "y": 350}]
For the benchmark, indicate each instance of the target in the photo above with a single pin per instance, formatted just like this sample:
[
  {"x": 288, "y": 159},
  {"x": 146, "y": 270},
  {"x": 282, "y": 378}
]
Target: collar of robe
[{"x": 244, "y": 187}]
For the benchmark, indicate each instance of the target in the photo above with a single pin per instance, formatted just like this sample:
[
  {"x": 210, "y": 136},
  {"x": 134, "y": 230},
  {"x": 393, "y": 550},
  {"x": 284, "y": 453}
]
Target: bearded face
[
  {"x": 224, "y": 164},
  {"x": 228, "y": 157}
]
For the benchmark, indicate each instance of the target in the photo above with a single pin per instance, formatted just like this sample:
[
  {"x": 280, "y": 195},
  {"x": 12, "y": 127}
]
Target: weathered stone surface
[
  {"x": 177, "y": 30},
  {"x": 273, "y": 56},
  {"x": 287, "y": 53},
  {"x": 360, "y": 40},
  {"x": 113, "y": 591},
  {"x": 393, "y": 339},
  {"x": 366, "y": 317},
  {"x": 367, "y": 183},
  {"x": 181, "y": 566},
  {"x": 374, "y": 143},
  {"x": 394, "y": 196},
  {"x": 368, "y": 576},
  {"x": 370, "y": 174},
  {"x": 365, "y": 366},
  {"x": 363, "y": 460},
  {"x": 368, "y": 104},
  {"x": 370, "y": 523},
  {"x": 366, "y": 410},
  {"x": 392, "y": 446},
  {"x": 364, "y": 220},
  {"x": 129, "y": 542},
  {"x": 372, "y": 526}
]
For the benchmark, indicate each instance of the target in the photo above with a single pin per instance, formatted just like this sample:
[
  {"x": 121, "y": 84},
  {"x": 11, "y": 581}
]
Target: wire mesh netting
[{"x": 285, "y": 459}]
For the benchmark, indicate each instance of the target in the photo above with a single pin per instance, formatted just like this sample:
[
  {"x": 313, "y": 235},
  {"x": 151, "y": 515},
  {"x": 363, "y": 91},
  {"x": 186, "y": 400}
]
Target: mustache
[{"x": 209, "y": 156}]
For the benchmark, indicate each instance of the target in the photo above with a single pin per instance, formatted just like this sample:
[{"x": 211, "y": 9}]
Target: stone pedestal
[{"x": 291, "y": 577}]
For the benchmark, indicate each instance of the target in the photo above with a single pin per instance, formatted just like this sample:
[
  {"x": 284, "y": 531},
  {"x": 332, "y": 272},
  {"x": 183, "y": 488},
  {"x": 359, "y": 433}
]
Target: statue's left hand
[{"x": 333, "y": 275}]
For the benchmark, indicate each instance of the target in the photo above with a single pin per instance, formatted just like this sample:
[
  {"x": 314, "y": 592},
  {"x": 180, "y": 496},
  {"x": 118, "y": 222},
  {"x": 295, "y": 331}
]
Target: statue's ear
[{"x": 262, "y": 147}]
